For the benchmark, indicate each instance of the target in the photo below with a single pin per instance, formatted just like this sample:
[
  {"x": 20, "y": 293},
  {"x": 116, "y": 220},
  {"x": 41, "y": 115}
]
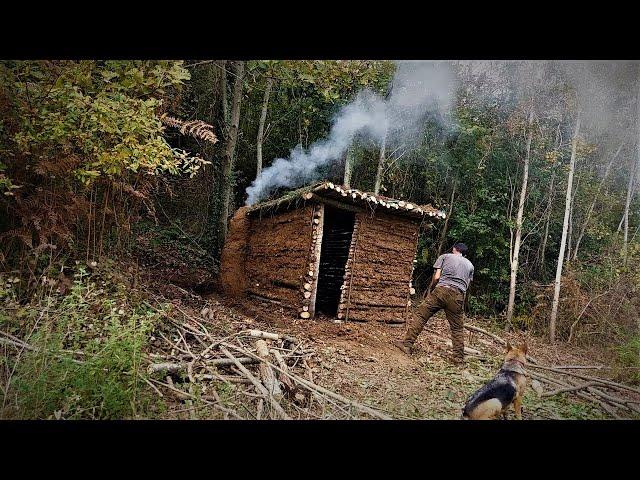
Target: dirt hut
[{"x": 327, "y": 249}]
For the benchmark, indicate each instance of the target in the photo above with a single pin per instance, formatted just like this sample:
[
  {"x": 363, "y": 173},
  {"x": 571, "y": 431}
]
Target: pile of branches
[{"x": 268, "y": 372}]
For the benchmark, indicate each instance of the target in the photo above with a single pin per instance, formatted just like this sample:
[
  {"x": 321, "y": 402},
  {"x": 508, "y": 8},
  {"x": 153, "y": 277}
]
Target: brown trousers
[{"x": 452, "y": 301}]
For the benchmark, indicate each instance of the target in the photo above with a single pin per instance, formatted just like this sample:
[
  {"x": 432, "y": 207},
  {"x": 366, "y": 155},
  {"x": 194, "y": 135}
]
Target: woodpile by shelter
[{"x": 327, "y": 249}]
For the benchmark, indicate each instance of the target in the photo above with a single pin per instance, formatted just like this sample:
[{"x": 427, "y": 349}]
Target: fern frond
[{"x": 194, "y": 128}]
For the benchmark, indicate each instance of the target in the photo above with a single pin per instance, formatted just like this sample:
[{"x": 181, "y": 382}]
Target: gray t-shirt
[{"x": 457, "y": 271}]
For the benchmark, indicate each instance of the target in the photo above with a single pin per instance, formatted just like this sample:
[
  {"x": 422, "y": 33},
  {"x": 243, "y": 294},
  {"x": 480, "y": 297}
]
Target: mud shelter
[{"x": 327, "y": 249}]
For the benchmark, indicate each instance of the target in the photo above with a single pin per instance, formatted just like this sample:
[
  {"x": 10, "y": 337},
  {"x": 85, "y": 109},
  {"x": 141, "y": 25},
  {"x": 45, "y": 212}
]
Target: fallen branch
[
  {"x": 26, "y": 346},
  {"x": 588, "y": 378},
  {"x": 502, "y": 342},
  {"x": 284, "y": 379},
  {"x": 259, "y": 386},
  {"x": 318, "y": 388},
  {"x": 568, "y": 389}
]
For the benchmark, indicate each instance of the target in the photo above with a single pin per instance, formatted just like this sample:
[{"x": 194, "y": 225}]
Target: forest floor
[
  {"x": 358, "y": 361},
  {"x": 99, "y": 314}
]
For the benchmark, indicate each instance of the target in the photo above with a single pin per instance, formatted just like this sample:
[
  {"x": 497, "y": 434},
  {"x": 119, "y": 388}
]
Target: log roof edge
[{"x": 348, "y": 196}]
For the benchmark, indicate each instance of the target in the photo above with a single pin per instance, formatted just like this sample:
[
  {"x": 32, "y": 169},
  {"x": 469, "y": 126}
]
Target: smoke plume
[{"x": 420, "y": 89}]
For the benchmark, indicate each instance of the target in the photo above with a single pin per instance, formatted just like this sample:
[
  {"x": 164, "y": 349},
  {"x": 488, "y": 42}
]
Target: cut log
[
  {"x": 271, "y": 336},
  {"x": 266, "y": 373},
  {"x": 305, "y": 314},
  {"x": 172, "y": 368}
]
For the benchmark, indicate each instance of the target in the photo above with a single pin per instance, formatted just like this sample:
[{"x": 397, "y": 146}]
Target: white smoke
[{"x": 420, "y": 89}]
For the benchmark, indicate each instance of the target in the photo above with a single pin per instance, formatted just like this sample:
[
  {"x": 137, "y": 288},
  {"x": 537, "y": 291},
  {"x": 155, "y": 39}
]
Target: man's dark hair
[{"x": 462, "y": 248}]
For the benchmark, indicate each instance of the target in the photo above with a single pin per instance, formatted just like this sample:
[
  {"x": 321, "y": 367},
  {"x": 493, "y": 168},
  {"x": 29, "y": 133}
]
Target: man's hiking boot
[
  {"x": 402, "y": 346},
  {"x": 458, "y": 362}
]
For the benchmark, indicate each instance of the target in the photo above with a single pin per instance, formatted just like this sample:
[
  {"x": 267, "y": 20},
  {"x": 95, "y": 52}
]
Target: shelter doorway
[{"x": 336, "y": 240}]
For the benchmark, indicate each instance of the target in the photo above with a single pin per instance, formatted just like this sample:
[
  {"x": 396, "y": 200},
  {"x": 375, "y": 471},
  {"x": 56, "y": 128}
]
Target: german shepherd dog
[{"x": 506, "y": 388}]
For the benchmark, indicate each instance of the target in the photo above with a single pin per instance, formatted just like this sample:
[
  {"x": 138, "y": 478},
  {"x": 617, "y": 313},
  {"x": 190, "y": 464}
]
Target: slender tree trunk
[
  {"x": 383, "y": 148},
  {"x": 627, "y": 205},
  {"x": 519, "y": 220},
  {"x": 443, "y": 236},
  {"x": 263, "y": 118},
  {"x": 223, "y": 91},
  {"x": 570, "y": 233},
  {"x": 632, "y": 182},
  {"x": 593, "y": 203},
  {"x": 230, "y": 147},
  {"x": 348, "y": 166},
  {"x": 563, "y": 241},
  {"x": 548, "y": 219},
  {"x": 549, "y": 204}
]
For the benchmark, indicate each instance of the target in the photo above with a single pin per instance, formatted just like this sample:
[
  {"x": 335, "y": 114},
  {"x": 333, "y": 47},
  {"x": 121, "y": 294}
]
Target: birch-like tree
[{"x": 565, "y": 228}]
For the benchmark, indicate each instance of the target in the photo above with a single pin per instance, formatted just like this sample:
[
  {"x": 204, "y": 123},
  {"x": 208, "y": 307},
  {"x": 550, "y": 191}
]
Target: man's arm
[{"x": 435, "y": 278}]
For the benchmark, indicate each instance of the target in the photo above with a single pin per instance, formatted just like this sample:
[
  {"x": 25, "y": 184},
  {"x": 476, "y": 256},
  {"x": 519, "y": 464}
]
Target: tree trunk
[
  {"x": 383, "y": 147},
  {"x": 593, "y": 203},
  {"x": 547, "y": 221},
  {"x": 263, "y": 118},
  {"x": 348, "y": 166},
  {"x": 563, "y": 241},
  {"x": 224, "y": 101},
  {"x": 570, "y": 232},
  {"x": 443, "y": 236},
  {"x": 627, "y": 205},
  {"x": 230, "y": 148},
  {"x": 549, "y": 204},
  {"x": 519, "y": 220}
]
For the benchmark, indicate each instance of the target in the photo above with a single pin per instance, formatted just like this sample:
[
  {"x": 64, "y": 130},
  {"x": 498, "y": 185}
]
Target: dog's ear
[
  {"x": 524, "y": 347},
  {"x": 509, "y": 347}
]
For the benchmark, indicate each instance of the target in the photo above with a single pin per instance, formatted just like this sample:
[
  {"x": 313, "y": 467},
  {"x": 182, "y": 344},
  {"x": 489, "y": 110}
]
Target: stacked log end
[{"x": 310, "y": 278}]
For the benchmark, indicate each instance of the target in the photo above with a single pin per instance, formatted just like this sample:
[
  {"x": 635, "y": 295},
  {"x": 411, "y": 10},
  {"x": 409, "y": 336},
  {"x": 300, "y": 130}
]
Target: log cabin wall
[
  {"x": 379, "y": 269},
  {"x": 277, "y": 258}
]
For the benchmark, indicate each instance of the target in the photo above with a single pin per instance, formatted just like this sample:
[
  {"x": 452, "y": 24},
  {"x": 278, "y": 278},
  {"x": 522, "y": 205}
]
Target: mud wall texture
[
  {"x": 277, "y": 255},
  {"x": 234, "y": 253},
  {"x": 379, "y": 269}
]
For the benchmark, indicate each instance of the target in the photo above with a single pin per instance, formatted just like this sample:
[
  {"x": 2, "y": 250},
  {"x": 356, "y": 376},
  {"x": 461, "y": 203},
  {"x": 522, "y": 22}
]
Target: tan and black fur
[{"x": 503, "y": 390}]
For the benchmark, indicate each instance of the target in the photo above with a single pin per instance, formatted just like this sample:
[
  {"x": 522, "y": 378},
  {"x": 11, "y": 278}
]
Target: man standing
[{"x": 451, "y": 278}]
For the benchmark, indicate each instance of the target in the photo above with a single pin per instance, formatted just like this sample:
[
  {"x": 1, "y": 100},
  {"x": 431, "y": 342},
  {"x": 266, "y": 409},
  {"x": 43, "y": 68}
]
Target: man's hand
[{"x": 434, "y": 279}]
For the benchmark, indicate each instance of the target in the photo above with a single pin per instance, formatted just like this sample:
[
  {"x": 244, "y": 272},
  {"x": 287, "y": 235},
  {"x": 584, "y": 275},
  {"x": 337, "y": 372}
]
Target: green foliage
[
  {"x": 628, "y": 355},
  {"x": 104, "y": 113},
  {"x": 97, "y": 318}
]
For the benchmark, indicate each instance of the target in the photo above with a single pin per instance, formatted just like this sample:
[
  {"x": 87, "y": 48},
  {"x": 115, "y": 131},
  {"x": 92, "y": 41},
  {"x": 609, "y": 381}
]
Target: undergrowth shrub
[
  {"x": 98, "y": 318},
  {"x": 628, "y": 356}
]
